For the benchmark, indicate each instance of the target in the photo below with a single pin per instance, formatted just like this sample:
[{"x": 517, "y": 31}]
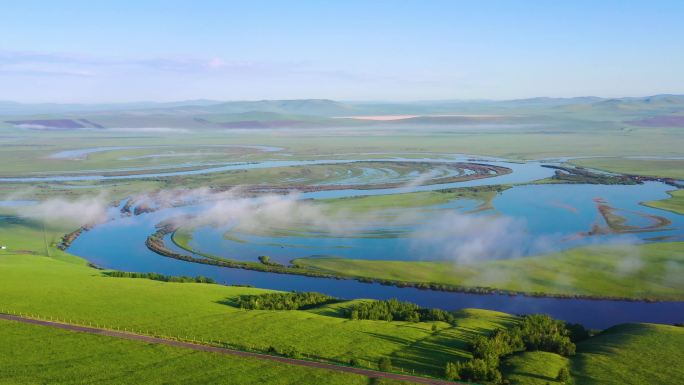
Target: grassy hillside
[
  {"x": 63, "y": 286},
  {"x": 37, "y": 354},
  {"x": 636, "y": 354},
  {"x": 631, "y": 354},
  {"x": 675, "y": 203},
  {"x": 199, "y": 311},
  {"x": 81, "y": 294},
  {"x": 648, "y": 271},
  {"x": 533, "y": 368}
]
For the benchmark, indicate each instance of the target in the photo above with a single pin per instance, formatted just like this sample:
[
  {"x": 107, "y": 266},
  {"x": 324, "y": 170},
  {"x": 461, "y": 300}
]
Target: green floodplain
[
  {"x": 591, "y": 271},
  {"x": 38, "y": 278},
  {"x": 640, "y": 353}
]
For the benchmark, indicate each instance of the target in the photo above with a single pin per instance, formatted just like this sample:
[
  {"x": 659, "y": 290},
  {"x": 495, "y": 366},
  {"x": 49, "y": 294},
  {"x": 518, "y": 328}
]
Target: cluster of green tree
[
  {"x": 478, "y": 189},
  {"x": 533, "y": 332},
  {"x": 284, "y": 301},
  {"x": 161, "y": 277},
  {"x": 266, "y": 260},
  {"x": 584, "y": 176},
  {"x": 394, "y": 310}
]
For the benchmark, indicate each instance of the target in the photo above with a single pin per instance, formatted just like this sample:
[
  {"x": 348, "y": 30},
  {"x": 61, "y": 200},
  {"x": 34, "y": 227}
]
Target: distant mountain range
[{"x": 650, "y": 110}]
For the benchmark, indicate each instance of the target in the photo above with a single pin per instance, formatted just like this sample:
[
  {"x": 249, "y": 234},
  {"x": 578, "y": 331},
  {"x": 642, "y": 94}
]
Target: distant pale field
[{"x": 24, "y": 152}]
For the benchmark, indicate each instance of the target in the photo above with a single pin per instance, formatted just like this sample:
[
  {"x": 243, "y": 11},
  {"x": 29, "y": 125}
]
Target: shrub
[
  {"x": 451, "y": 371},
  {"x": 266, "y": 260},
  {"x": 385, "y": 364},
  {"x": 291, "y": 352},
  {"x": 475, "y": 370},
  {"x": 541, "y": 332},
  {"x": 563, "y": 375}
]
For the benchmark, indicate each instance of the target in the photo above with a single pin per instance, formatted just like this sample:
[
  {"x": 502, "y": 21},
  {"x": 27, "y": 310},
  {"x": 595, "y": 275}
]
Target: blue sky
[{"x": 132, "y": 50}]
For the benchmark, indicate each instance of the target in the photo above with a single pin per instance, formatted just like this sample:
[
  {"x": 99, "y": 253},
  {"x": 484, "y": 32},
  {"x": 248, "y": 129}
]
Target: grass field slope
[
  {"x": 634, "y": 354},
  {"x": 631, "y": 354},
  {"x": 37, "y": 354},
  {"x": 39, "y": 279},
  {"x": 202, "y": 311},
  {"x": 533, "y": 368}
]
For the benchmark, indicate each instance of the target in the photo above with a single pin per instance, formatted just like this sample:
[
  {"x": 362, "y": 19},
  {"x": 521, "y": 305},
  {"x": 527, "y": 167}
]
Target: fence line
[{"x": 218, "y": 343}]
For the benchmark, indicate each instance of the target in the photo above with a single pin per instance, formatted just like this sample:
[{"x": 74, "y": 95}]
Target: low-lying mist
[{"x": 445, "y": 235}]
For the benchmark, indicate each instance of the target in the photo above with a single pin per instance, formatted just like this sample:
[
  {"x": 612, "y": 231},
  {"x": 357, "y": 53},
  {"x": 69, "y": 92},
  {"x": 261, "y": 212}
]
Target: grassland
[
  {"x": 533, "y": 368},
  {"x": 663, "y": 168},
  {"x": 644, "y": 271},
  {"x": 25, "y": 152},
  {"x": 675, "y": 203},
  {"x": 635, "y": 354},
  {"x": 639, "y": 354},
  {"x": 82, "y": 294},
  {"x": 37, "y": 354}
]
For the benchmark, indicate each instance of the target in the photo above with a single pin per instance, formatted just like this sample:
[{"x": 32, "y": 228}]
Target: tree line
[
  {"x": 284, "y": 301},
  {"x": 161, "y": 277},
  {"x": 395, "y": 310}
]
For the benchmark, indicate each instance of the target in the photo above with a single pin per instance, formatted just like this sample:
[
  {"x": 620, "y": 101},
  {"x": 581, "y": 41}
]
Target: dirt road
[{"x": 213, "y": 349}]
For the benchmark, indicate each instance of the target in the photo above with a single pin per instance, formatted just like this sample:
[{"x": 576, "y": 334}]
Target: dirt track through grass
[{"x": 213, "y": 349}]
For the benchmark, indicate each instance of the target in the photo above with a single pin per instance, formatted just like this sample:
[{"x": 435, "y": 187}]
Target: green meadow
[
  {"x": 639, "y": 354},
  {"x": 43, "y": 355},
  {"x": 25, "y": 152},
  {"x": 533, "y": 368},
  {"x": 675, "y": 203},
  {"x": 641, "y": 271},
  {"x": 80, "y": 294},
  {"x": 636, "y": 354}
]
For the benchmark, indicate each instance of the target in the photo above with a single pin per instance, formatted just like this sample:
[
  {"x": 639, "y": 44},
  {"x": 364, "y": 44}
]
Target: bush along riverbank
[
  {"x": 69, "y": 238},
  {"x": 583, "y": 176},
  {"x": 160, "y": 277}
]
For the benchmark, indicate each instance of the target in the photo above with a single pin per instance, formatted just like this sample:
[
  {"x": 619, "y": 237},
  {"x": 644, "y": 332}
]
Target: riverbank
[
  {"x": 673, "y": 204},
  {"x": 641, "y": 272},
  {"x": 569, "y": 274}
]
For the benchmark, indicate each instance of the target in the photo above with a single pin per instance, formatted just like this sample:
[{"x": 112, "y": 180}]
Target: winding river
[{"x": 551, "y": 211}]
